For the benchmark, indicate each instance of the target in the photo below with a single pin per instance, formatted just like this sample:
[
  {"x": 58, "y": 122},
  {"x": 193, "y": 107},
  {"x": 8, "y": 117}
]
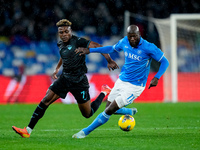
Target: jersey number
[{"x": 84, "y": 95}]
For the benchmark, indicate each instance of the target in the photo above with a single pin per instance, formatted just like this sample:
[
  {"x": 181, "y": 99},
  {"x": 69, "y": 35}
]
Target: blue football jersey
[{"x": 137, "y": 60}]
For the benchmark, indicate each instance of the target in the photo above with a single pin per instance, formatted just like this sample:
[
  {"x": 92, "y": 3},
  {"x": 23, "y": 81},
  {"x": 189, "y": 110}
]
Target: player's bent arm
[
  {"x": 163, "y": 67},
  {"x": 59, "y": 64},
  {"x": 57, "y": 68}
]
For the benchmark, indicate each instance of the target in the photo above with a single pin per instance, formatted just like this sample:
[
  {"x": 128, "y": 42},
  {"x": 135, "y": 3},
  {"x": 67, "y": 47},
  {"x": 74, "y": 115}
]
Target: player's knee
[
  {"x": 109, "y": 111},
  {"x": 86, "y": 115},
  {"x": 112, "y": 108},
  {"x": 50, "y": 98},
  {"x": 108, "y": 103},
  {"x": 45, "y": 101}
]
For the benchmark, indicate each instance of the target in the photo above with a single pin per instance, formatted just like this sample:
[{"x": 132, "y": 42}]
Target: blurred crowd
[
  {"x": 28, "y": 33},
  {"x": 36, "y": 19}
]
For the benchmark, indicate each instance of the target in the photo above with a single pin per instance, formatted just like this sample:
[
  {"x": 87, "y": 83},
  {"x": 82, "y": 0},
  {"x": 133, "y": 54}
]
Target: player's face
[
  {"x": 134, "y": 39},
  {"x": 65, "y": 33}
]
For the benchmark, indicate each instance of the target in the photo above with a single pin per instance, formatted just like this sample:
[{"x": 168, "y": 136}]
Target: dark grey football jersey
[{"x": 74, "y": 66}]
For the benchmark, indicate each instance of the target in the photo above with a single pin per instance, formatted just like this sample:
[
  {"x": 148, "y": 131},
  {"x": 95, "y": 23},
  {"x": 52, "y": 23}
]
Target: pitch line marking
[{"x": 157, "y": 128}]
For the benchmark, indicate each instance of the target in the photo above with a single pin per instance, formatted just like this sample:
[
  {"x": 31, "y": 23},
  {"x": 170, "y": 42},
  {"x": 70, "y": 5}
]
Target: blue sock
[
  {"x": 99, "y": 120},
  {"x": 124, "y": 111}
]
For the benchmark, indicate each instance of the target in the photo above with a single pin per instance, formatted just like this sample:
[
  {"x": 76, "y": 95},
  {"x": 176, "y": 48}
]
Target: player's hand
[
  {"x": 112, "y": 65},
  {"x": 54, "y": 75},
  {"x": 153, "y": 82},
  {"x": 82, "y": 51}
]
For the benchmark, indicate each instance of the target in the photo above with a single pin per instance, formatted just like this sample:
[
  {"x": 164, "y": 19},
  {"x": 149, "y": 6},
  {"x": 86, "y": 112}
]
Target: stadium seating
[{"x": 41, "y": 57}]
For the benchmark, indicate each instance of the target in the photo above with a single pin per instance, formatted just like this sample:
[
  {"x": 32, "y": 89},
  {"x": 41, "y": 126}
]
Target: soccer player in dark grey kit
[{"x": 73, "y": 78}]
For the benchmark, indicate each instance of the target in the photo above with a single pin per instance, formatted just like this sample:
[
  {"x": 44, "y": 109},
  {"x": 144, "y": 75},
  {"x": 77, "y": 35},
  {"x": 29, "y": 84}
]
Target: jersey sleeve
[
  {"x": 82, "y": 42},
  {"x": 155, "y": 52},
  {"x": 119, "y": 46}
]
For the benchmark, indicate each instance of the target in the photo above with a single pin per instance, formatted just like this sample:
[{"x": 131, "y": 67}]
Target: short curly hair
[{"x": 63, "y": 22}]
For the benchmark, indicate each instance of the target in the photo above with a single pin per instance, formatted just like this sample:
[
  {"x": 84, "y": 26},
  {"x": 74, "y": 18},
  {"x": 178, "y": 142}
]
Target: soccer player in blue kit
[{"x": 133, "y": 77}]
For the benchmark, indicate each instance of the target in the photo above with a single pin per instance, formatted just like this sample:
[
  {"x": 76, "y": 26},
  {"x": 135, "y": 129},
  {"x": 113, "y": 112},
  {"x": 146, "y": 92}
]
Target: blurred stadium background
[{"x": 29, "y": 54}]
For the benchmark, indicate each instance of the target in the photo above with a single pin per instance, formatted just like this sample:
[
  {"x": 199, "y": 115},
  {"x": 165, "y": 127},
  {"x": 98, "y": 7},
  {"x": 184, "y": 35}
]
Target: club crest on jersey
[
  {"x": 69, "y": 47},
  {"x": 139, "y": 51}
]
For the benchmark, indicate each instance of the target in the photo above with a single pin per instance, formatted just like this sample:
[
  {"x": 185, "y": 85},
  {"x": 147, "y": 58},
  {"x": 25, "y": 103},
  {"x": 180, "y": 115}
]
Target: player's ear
[
  {"x": 70, "y": 28},
  {"x": 139, "y": 33}
]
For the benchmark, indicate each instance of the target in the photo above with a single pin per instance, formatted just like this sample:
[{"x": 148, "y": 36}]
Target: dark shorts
[{"x": 79, "y": 90}]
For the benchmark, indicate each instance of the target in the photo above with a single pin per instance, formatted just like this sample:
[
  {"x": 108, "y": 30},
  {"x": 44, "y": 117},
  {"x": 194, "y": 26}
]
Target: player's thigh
[
  {"x": 85, "y": 108},
  {"x": 124, "y": 93},
  {"x": 115, "y": 92}
]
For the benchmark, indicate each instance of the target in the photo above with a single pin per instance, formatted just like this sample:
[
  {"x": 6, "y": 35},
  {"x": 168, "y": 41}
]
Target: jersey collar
[
  {"x": 140, "y": 43},
  {"x": 141, "y": 40}
]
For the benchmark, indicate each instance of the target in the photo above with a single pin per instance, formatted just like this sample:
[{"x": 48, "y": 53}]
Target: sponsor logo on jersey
[{"x": 133, "y": 56}]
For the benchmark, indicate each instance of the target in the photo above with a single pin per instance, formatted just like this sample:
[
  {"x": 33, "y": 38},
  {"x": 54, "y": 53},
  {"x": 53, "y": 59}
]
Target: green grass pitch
[{"x": 159, "y": 126}]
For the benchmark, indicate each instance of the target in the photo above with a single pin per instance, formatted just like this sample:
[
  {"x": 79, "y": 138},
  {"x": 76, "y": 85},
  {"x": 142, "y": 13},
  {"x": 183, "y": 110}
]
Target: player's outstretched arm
[
  {"x": 83, "y": 51},
  {"x": 112, "y": 65},
  {"x": 95, "y": 47}
]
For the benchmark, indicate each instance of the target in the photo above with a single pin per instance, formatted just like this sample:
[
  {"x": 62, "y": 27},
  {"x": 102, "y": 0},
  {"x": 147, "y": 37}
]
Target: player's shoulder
[
  {"x": 80, "y": 39},
  {"x": 77, "y": 37},
  {"x": 123, "y": 41},
  {"x": 74, "y": 37},
  {"x": 147, "y": 45}
]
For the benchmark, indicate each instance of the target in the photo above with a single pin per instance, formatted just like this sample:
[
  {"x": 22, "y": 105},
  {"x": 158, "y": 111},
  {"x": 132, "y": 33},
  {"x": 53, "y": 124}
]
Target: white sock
[
  {"x": 105, "y": 93},
  {"x": 29, "y": 130}
]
